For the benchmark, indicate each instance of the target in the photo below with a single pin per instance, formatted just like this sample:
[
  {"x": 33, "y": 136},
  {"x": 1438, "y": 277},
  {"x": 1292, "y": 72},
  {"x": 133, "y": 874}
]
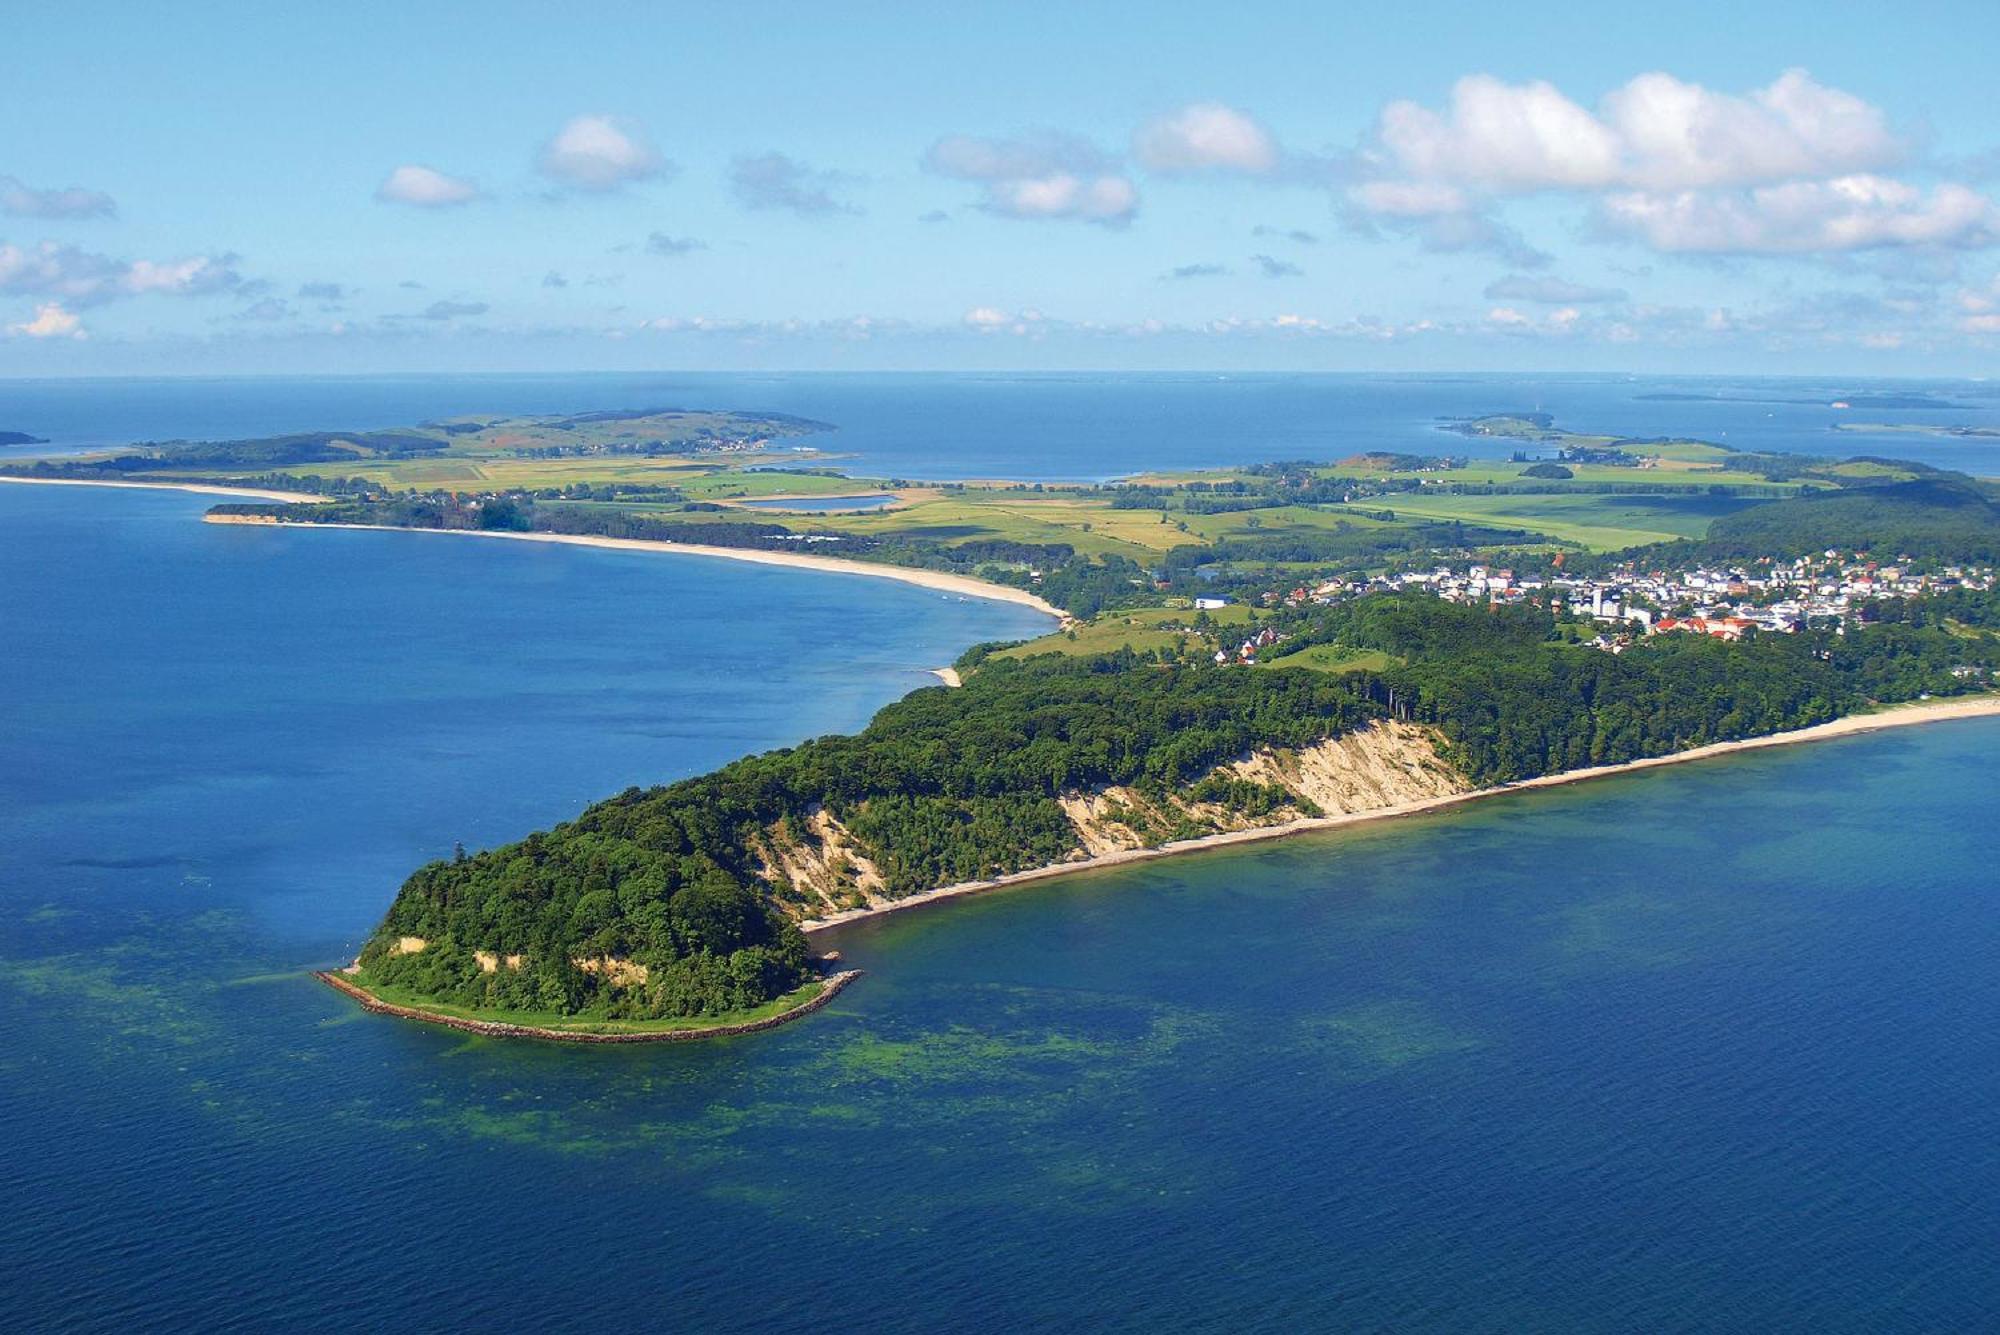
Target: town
[{"x": 1724, "y": 601}]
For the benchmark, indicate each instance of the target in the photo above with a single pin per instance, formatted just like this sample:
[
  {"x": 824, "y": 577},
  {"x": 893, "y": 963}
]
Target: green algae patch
[{"x": 1383, "y": 1037}]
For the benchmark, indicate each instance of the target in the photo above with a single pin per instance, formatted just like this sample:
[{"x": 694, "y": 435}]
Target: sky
[{"x": 224, "y": 189}]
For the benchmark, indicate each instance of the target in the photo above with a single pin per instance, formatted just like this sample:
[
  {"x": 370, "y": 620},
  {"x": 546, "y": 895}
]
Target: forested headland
[{"x": 1248, "y": 646}]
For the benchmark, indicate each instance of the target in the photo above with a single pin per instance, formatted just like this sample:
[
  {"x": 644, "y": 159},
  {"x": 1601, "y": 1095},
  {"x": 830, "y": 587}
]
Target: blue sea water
[
  {"x": 1710, "y": 1047},
  {"x": 825, "y": 504},
  {"x": 1055, "y": 426}
]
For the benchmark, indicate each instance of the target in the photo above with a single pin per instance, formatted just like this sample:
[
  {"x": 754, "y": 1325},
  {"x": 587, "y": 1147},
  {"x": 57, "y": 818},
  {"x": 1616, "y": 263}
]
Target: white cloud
[
  {"x": 194, "y": 276},
  {"x": 1499, "y": 136},
  {"x": 59, "y": 271},
  {"x": 1844, "y": 214},
  {"x": 1654, "y": 133},
  {"x": 1679, "y": 135},
  {"x": 1045, "y": 176},
  {"x": 1790, "y": 168},
  {"x": 1106, "y": 199},
  {"x": 600, "y": 153},
  {"x": 83, "y": 277},
  {"x": 1206, "y": 136},
  {"x": 425, "y": 188},
  {"x": 51, "y": 321},
  {"x": 21, "y": 201}
]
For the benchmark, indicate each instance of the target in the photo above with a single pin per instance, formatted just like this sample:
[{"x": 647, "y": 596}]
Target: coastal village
[{"x": 1722, "y": 601}]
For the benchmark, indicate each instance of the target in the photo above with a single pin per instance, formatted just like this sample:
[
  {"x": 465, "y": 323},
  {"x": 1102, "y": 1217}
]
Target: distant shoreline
[
  {"x": 199, "y": 488},
  {"x": 833, "y": 565},
  {"x": 1937, "y": 711}
]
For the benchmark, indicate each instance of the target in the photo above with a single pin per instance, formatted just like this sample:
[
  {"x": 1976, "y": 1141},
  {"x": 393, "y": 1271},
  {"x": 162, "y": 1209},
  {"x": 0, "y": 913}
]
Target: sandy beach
[
  {"x": 1936, "y": 711},
  {"x": 833, "y": 565},
  {"x": 199, "y": 488}
]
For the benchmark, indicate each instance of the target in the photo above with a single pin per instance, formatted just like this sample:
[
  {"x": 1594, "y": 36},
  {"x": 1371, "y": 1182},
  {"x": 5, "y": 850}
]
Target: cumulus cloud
[
  {"x": 1654, "y": 133},
  {"x": 600, "y": 153},
  {"x": 1271, "y": 267},
  {"x": 1203, "y": 137},
  {"x": 453, "y": 310},
  {"x": 1847, "y": 213},
  {"x": 659, "y": 243},
  {"x": 775, "y": 181},
  {"x": 425, "y": 188},
  {"x": 51, "y": 321},
  {"x": 1041, "y": 176},
  {"x": 82, "y": 277},
  {"x": 1186, "y": 271},
  {"x": 198, "y": 275},
  {"x": 1790, "y": 168},
  {"x": 22, "y": 201},
  {"x": 1548, "y": 290}
]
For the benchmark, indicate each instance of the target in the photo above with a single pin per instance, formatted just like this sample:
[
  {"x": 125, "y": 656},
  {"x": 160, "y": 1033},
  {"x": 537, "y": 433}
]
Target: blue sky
[{"x": 222, "y": 188}]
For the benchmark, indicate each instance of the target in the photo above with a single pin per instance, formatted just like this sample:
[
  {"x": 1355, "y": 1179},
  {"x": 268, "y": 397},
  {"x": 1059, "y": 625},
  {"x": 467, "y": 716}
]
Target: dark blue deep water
[{"x": 1712, "y": 1047}]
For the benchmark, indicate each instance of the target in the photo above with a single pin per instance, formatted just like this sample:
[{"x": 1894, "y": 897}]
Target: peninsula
[{"x": 1244, "y": 654}]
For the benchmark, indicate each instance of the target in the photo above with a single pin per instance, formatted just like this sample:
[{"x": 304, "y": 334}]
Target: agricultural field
[{"x": 1600, "y": 521}]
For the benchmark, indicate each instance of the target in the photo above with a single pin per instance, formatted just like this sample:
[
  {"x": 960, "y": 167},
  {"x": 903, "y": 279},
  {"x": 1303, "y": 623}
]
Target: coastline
[
  {"x": 833, "y": 565},
  {"x": 199, "y": 488},
  {"x": 834, "y": 983},
  {"x": 1937, "y": 711}
]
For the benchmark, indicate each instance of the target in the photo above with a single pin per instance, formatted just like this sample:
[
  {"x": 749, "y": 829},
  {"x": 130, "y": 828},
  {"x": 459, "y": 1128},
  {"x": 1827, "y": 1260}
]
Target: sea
[{"x": 1710, "y": 1047}]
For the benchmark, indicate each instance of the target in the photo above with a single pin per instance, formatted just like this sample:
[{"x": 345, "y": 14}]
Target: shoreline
[
  {"x": 198, "y": 488},
  {"x": 1896, "y": 716},
  {"x": 834, "y": 983},
  {"x": 937, "y": 580}
]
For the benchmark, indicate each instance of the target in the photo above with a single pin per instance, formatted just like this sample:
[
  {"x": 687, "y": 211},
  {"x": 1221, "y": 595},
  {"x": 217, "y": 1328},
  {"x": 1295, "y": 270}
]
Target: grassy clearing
[
  {"x": 571, "y": 1024},
  {"x": 1335, "y": 659},
  {"x": 1139, "y": 630}
]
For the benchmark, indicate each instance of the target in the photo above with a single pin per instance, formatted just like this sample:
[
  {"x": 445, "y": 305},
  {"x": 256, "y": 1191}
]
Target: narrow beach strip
[
  {"x": 1936, "y": 711},
  {"x": 199, "y": 488},
  {"x": 964, "y": 585},
  {"x": 831, "y": 987}
]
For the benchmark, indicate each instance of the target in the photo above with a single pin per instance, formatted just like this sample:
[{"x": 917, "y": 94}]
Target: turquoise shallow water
[{"x": 1710, "y": 1047}]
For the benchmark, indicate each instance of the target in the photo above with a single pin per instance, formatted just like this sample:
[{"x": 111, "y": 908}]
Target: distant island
[
  {"x": 1920, "y": 429},
  {"x": 1911, "y": 401},
  {"x": 1241, "y": 653},
  {"x": 20, "y": 438}
]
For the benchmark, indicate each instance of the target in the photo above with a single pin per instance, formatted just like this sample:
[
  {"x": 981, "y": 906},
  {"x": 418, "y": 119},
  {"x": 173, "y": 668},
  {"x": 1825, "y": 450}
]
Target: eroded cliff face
[{"x": 822, "y": 868}]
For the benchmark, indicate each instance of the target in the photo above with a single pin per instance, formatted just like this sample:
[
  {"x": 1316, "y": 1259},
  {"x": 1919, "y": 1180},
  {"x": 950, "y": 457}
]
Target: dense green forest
[
  {"x": 1942, "y": 518},
  {"x": 951, "y": 785}
]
